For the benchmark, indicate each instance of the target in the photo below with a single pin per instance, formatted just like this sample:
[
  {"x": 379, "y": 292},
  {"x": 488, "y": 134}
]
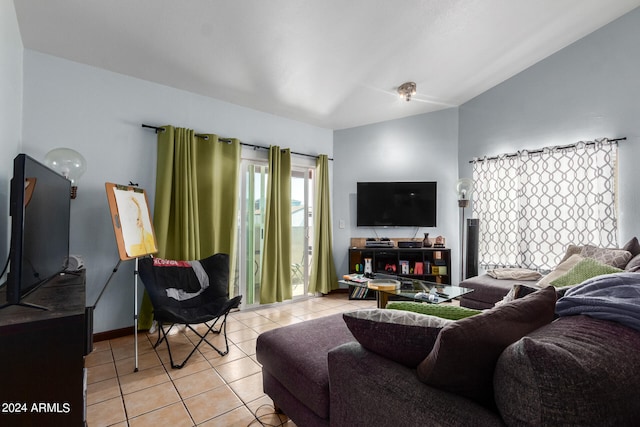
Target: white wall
[
  {"x": 99, "y": 114},
  {"x": 10, "y": 113},
  {"x": 417, "y": 148},
  {"x": 588, "y": 90}
]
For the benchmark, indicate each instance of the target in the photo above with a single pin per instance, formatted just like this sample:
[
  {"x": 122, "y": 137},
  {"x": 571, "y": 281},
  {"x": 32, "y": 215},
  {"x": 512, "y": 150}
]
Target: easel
[{"x": 134, "y": 235}]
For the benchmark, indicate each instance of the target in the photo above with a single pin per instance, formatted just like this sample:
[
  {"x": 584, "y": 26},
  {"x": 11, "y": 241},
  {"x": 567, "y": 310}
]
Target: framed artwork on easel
[{"x": 131, "y": 219}]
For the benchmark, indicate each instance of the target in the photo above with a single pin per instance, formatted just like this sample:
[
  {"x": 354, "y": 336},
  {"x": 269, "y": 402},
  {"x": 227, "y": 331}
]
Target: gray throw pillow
[
  {"x": 633, "y": 266},
  {"x": 632, "y": 246},
  {"x": 617, "y": 258},
  {"x": 402, "y": 336}
]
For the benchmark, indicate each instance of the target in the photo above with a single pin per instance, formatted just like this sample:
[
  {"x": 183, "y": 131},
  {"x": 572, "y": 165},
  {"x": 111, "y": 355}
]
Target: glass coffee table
[{"x": 407, "y": 288}]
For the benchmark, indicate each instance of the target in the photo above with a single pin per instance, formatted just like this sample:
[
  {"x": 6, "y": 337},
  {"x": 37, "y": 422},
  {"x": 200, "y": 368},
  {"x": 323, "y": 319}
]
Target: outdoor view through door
[{"x": 256, "y": 176}]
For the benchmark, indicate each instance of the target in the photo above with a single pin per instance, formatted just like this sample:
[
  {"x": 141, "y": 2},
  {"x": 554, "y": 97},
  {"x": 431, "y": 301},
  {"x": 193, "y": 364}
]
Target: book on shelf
[{"x": 358, "y": 292}]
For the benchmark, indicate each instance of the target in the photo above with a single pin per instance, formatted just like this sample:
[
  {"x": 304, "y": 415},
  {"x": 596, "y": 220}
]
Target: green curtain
[
  {"x": 196, "y": 200},
  {"x": 323, "y": 270},
  {"x": 275, "y": 281}
]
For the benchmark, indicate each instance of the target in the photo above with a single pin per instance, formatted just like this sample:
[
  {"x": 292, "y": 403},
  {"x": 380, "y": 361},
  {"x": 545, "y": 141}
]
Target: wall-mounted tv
[
  {"x": 397, "y": 204},
  {"x": 40, "y": 210}
]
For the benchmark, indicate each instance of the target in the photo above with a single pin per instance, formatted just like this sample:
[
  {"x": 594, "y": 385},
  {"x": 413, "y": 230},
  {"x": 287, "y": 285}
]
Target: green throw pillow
[
  {"x": 585, "y": 269},
  {"x": 450, "y": 312}
]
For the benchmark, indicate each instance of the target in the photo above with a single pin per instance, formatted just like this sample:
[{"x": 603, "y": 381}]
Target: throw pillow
[
  {"x": 633, "y": 266},
  {"x": 464, "y": 356},
  {"x": 585, "y": 269},
  {"x": 402, "y": 336},
  {"x": 632, "y": 246},
  {"x": 451, "y": 312},
  {"x": 571, "y": 250},
  {"x": 614, "y": 257},
  {"x": 517, "y": 291},
  {"x": 560, "y": 270}
]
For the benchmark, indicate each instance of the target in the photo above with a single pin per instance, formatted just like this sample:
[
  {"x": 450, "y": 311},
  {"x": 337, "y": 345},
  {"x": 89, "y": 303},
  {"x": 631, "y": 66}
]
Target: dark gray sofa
[
  {"x": 487, "y": 291},
  {"x": 576, "y": 370}
]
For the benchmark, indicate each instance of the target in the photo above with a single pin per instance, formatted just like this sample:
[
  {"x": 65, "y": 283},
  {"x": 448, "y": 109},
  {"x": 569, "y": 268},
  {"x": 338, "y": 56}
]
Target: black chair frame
[{"x": 163, "y": 335}]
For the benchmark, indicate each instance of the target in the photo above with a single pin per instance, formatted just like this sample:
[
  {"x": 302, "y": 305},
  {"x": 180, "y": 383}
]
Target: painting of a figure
[{"x": 134, "y": 221}]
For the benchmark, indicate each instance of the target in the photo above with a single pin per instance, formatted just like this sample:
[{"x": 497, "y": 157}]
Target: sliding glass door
[
  {"x": 252, "y": 223},
  {"x": 302, "y": 229}
]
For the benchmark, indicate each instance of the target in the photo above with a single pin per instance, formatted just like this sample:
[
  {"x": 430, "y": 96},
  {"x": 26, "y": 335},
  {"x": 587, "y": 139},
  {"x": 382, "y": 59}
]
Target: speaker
[{"x": 473, "y": 231}]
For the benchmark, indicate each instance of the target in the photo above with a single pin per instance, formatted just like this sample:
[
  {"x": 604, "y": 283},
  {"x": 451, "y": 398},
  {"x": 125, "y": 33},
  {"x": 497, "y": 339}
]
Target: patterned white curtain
[{"x": 533, "y": 204}]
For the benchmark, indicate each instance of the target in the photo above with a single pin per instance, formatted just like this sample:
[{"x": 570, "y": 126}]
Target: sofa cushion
[
  {"x": 614, "y": 257},
  {"x": 464, "y": 356},
  {"x": 486, "y": 289},
  {"x": 296, "y": 356},
  {"x": 575, "y": 371},
  {"x": 583, "y": 270},
  {"x": 402, "y": 336}
]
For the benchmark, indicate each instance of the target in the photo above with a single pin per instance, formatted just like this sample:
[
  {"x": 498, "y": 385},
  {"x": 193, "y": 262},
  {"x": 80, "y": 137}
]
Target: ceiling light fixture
[{"x": 407, "y": 90}]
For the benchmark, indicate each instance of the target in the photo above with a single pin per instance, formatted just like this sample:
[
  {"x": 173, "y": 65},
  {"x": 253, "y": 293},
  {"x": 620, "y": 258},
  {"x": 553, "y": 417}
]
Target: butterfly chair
[{"x": 189, "y": 293}]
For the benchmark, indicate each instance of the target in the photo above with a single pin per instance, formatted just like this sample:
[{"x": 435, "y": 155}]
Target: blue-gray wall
[
  {"x": 417, "y": 148},
  {"x": 588, "y": 90},
  {"x": 99, "y": 113},
  {"x": 10, "y": 113}
]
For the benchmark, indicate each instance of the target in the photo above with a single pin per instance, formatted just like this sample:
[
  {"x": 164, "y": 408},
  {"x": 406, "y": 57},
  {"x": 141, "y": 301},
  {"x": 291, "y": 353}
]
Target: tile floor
[{"x": 210, "y": 390}]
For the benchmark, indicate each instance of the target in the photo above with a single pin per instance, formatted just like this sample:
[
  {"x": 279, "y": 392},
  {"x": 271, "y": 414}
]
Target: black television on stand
[
  {"x": 40, "y": 207},
  {"x": 397, "y": 204}
]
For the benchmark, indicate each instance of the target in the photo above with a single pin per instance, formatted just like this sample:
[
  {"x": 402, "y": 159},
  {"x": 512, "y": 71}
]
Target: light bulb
[
  {"x": 464, "y": 188},
  {"x": 68, "y": 163}
]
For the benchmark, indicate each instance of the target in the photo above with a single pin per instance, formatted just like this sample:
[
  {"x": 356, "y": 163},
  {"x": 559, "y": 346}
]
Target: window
[{"x": 533, "y": 204}]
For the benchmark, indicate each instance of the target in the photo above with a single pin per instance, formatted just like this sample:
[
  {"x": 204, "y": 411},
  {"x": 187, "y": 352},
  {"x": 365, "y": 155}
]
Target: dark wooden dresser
[{"x": 42, "y": 375}]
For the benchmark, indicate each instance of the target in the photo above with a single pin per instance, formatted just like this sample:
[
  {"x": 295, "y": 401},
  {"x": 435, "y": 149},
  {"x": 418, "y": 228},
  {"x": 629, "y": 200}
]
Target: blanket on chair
[{"x": 614, "y": 297}]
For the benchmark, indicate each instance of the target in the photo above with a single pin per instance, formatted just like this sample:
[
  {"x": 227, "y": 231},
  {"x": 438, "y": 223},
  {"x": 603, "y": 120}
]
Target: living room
[{"x": 587, "y": 90}]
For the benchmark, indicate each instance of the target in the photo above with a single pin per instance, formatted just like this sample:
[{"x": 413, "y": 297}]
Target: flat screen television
[
  {"x": 397, "y": 204},
  {"x": 39, "y": 205}
]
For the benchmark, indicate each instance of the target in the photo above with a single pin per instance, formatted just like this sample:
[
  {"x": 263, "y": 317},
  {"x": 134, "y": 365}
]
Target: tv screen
[
  {"x": 396, "y": 204},
  {"x": 40, "y": 210}
]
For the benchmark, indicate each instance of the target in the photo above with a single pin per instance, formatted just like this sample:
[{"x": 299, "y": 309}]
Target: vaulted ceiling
[{"x": 330, "y": 63}]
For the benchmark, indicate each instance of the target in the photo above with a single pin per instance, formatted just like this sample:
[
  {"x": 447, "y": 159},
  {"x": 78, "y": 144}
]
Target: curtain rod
[
  {"x": 228, "y": 141},
  {"x": 561, "y": 147}
]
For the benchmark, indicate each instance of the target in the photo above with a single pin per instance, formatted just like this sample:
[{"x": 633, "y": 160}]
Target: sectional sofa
[{"x": 518, "y": 363}]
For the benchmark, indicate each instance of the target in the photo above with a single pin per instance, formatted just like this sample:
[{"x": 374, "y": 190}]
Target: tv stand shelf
[
  {"x": 430, "y": 264},
  {"x": 43, "y": 355}
]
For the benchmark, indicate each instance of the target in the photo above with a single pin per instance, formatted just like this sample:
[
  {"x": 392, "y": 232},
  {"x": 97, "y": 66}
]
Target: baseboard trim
[{"x": 113, "y": 334}]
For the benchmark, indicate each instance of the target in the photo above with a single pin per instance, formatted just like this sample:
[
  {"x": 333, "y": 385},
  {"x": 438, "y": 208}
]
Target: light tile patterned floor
[{"x": 210, "y": 390}]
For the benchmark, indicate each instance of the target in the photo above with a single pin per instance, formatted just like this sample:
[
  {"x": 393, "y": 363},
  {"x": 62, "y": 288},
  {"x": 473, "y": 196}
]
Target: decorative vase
[
  {"x": 368, "y": 269},
  {"x": 426, "y": 243}
]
